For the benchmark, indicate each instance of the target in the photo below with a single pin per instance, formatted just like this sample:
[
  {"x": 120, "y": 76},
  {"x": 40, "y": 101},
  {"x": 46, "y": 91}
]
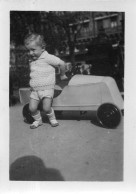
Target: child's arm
[
  {"x": 55, "y": 61},
  {"x": 62, "y": 66}
]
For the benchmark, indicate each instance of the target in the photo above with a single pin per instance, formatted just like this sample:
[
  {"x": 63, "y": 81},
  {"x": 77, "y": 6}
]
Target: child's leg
[
  {"x": 47, "y": 102},
  {"x": 33, "y": 105}
]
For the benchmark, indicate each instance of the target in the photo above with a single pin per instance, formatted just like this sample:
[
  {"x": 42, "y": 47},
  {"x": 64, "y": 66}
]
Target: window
[{"x": 113, "y": 22}]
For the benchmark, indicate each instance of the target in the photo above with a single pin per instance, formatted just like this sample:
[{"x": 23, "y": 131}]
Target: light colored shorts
[{"x": 39, "y": 95}]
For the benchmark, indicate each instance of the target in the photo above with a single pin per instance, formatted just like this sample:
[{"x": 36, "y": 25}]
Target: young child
[{"x": 42, "y": 78}]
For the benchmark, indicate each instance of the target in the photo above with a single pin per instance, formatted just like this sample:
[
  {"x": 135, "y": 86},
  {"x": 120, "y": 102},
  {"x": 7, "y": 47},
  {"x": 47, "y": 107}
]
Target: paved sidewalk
[{"x": 76, "y": 150}]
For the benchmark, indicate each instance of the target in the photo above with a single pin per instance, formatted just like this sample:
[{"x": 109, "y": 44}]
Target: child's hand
[{"x": 63, "y": 77}]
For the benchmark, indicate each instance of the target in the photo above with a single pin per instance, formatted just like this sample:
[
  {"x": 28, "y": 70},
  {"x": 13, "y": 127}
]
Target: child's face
[{"x": 35, "y": 50}]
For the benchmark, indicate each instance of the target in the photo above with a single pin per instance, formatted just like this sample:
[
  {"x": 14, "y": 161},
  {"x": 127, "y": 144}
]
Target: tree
[
  {"x": 70, "y": 24},
  {"x": 58, "y": 27},
  {"x": 22, "y": 23}
]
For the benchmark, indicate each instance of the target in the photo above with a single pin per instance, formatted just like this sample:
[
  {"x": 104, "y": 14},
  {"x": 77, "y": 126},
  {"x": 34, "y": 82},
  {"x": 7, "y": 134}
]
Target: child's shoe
[
  {"x": 52, "y": 119},
  {"x": 36, "y": 124},
  {"x": 54, "y": 122}
]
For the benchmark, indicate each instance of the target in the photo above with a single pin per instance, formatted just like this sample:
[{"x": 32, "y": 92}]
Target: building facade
[{"x": 110, "y": 23}]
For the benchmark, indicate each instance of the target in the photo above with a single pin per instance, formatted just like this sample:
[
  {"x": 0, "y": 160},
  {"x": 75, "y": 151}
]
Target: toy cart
[{"x": 85, "y": 93}]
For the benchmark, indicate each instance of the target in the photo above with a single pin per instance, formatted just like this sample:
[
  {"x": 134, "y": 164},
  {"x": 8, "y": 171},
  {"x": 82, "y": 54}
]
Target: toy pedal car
[{"x": 85, "y": 93}]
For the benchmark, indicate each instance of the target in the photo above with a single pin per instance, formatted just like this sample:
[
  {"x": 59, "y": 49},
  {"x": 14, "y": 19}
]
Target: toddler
[{"x": 42, "y": 78}]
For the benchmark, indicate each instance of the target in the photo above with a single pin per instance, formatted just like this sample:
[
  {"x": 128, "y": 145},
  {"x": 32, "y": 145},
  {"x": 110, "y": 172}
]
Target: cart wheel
[
  {"x": 109, "y": 115},
  {"x": 27, "y": 115}
]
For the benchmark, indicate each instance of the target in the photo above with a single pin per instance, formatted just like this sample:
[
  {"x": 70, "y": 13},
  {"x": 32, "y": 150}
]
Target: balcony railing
[
  {"x": 89, "y": 34},
  {"x": 117, "y": 29},
  {"x": 86, "y": 34}
]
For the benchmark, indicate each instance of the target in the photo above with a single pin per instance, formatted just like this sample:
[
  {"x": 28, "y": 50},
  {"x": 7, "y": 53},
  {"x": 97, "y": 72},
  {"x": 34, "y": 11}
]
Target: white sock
[
  {"x": 51, "y": 115},
  {"x": 37, "y": 117}
]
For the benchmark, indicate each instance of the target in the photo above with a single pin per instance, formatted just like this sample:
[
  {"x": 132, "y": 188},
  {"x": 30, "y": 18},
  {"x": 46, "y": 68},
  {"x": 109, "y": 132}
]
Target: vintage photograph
[{"x": 66, "y": 96}]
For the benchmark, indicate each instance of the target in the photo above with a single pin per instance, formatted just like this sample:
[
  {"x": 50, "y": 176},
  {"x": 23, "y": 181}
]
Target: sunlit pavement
[{"x": 76, "y": 150}]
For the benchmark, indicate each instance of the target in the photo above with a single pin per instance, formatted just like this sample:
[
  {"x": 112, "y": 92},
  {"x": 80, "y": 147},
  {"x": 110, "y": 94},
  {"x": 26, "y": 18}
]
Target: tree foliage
[
  {"x": 22, "y": 23},
  {"x": 70, "y": 24},
  {"x": 60, "y": 28}
]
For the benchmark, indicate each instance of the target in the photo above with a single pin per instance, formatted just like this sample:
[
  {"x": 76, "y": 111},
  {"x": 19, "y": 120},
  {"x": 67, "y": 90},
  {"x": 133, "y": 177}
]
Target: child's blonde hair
[{"x": 37, "y": 38}]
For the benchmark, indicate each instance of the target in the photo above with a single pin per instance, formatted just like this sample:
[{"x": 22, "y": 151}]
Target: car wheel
[
  {"x": 27, "y": 115},
  {"x": 108, "y": 115}
]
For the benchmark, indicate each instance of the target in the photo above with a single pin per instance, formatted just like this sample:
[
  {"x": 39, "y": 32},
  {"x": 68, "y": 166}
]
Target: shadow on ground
[
  {"x": 74, "y": 115},
  {"x": 32, "y": 168}
]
